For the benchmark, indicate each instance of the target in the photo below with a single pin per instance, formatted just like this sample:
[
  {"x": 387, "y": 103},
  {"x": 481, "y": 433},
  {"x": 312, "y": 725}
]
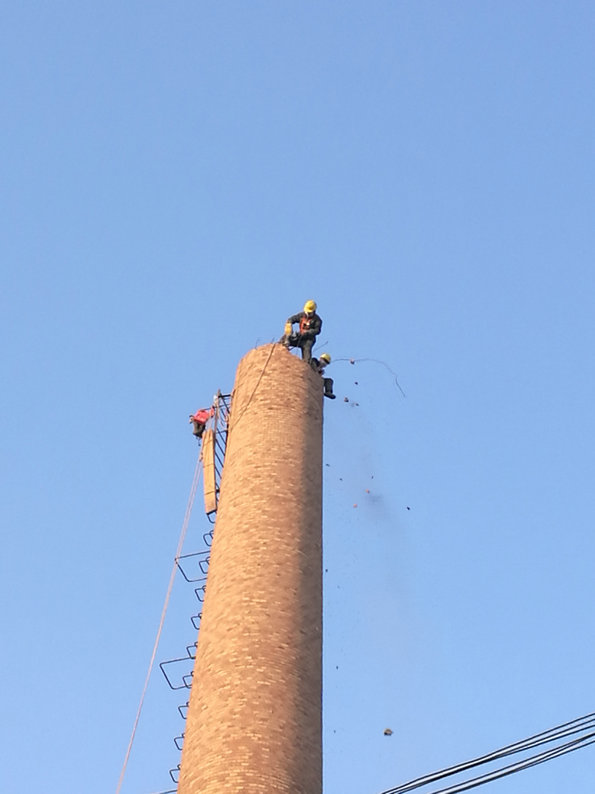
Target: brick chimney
[{"x": 254, "y": 722}]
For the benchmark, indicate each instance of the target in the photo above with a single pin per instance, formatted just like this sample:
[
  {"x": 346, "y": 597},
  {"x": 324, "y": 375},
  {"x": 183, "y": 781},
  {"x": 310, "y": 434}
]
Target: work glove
[{"x": 288, "y": 329}]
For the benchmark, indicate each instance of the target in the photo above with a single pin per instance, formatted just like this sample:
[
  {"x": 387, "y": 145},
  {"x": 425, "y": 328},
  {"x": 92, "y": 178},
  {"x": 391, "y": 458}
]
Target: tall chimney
[{"x": 254, "y": 722}]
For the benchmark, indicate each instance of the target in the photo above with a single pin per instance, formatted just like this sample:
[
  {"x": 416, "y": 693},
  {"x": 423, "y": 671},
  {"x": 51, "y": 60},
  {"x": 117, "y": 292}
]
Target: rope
[
  {"x": 197, "y": 471},
  {"x": 376, "y": 361},
  {"x": 265, "y": 365}
]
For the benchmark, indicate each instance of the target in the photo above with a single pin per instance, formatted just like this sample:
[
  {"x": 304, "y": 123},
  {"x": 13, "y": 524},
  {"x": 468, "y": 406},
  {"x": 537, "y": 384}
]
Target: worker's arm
[{"x": 295, "y": 318}]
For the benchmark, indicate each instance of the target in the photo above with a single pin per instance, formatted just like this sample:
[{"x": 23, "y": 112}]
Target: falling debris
[
  {"x": 408, "y": 508},
  {"x": 356, "y": 383},
  {"x": 355, "y": 505},
  {"x": 367, "y": 490},
  {"x": 388, "y": 732},
  {"x": 352, "y": 361},
  {"x": 327, "y": 464},
  {"x": 345, "y": 399}
]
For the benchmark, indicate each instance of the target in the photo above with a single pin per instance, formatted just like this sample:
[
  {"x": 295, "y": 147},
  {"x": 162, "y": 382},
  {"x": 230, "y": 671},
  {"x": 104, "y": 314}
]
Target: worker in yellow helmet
[
  {"x": 309, "y": 325},
  {"x": 319, "y": 365}
]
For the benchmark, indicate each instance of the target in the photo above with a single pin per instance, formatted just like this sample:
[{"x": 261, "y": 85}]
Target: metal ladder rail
[{"x": 222, "y": 405}]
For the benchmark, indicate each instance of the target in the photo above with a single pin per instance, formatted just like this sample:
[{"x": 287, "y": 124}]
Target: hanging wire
[
  {"x": 375, "y": 361},
  {"x": 195, "y": 480},
  {"x": 558, "y": 733},
  {"x": 265, "y": 365}
]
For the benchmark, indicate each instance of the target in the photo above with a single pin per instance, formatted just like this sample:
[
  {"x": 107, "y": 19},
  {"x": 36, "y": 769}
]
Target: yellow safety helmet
[
  {"x": 310, "y": 307},
  {"x": 325, "y": 357}
]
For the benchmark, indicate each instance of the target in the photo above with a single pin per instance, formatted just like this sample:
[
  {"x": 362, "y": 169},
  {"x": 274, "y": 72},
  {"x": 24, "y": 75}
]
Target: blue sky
[{"x": 177, "y": 179}]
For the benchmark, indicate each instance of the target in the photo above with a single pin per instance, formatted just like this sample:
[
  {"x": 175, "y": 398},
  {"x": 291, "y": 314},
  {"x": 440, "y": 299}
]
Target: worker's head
[
  {"x": 325, "y": 357},
  {"x": 309, "y": 307}
]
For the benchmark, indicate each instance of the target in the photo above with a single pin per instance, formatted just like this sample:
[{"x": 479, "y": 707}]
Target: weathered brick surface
[{"x": 254, "y": 721}]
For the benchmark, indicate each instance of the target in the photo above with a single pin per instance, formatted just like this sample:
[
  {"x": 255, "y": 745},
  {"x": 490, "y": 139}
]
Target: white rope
[{"x": 195, "y": 480}]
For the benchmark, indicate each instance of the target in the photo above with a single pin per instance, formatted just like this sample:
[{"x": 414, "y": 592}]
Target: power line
[
  {"x": 560, "y": 732},
  {"x": 518, "y": 767}
]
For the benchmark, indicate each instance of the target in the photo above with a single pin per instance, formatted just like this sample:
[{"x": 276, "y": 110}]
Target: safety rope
[
  {"x": 265, "y": 365},
  {"x": 185, "y": 523}
]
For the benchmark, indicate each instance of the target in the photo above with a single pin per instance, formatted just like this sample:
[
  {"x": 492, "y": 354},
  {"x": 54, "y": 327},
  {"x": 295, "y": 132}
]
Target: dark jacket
[
  {"x": 309, "y": 326},
  {"x": 318, "y": 366}
]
